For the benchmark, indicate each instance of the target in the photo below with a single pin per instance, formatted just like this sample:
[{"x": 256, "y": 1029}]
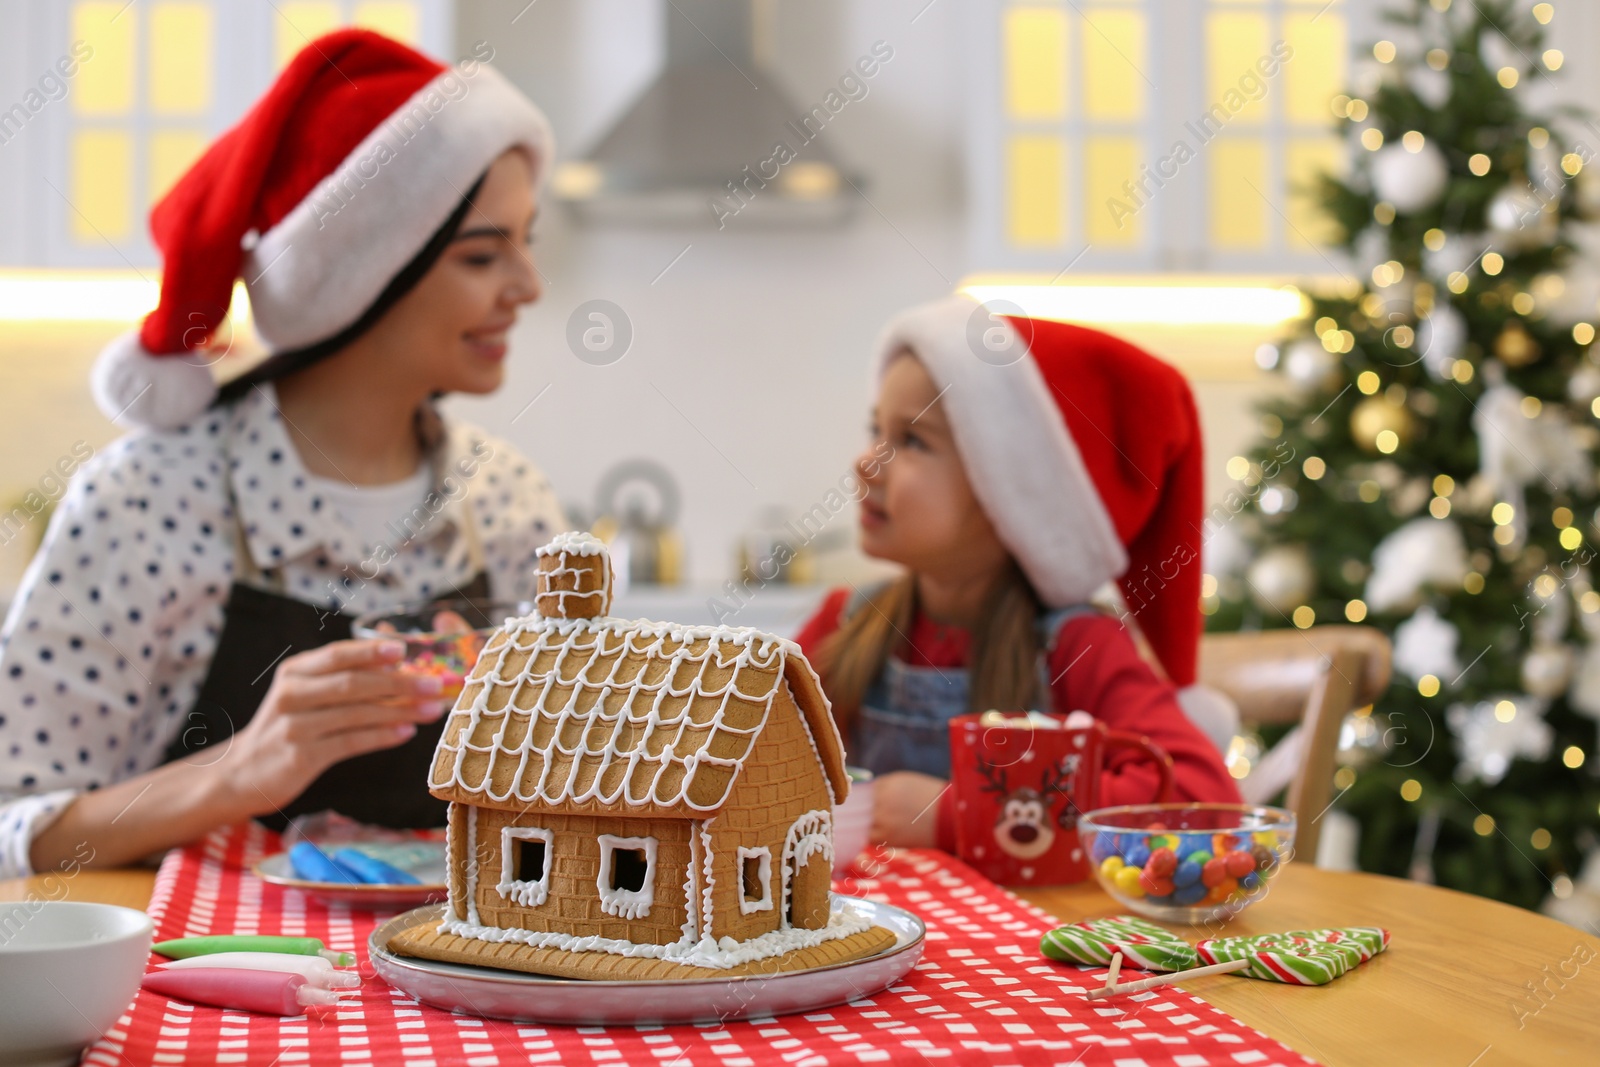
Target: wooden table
[{"x": 1455, "y": 988}]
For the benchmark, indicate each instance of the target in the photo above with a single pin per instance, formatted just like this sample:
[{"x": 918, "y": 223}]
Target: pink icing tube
[{"x": 268, "y": 992}]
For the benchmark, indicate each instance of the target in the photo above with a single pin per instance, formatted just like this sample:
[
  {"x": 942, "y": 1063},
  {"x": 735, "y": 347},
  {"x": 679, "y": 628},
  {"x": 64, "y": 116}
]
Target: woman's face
[
  {"x": 919, "y": 509},
  {"x": 449, "y": 332}
]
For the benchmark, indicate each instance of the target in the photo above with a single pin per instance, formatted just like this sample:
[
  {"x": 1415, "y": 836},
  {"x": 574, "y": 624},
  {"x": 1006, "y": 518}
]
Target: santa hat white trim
[
  {"x": 328, "y": 259},
  {"x": 1024, "y": 467},
  {"x": 135, "y": 388}
]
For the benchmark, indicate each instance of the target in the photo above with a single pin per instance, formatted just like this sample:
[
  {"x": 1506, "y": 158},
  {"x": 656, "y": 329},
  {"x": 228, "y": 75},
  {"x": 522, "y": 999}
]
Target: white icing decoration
[
  {"x": 691, "y": 906},
  {"x": 583, "y": 544},
  {"x": 763, "y": 873},
  {"x": 576, "y": 715},
  {"x": 574, "y": 543},
  {"x": 626, "y": 903},
  {"x": 530, "y": 894},
  {"x": 450, "y": 849},
  {"x": 701, "y": 952},
  {"x": 811, "y": 833},
  {"x": 705, "y": 890},
  {"x": 472, "y": 865}
]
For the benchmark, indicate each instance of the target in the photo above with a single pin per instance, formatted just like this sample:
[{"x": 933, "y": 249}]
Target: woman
[{"x": 178, "y": 657}]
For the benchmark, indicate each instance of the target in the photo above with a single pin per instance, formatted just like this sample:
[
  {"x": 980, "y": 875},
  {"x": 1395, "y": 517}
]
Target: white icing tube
[{"x": 317, "y": 971}]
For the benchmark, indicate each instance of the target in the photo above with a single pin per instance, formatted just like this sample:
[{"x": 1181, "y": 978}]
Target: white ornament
[
  {"x": 1426, "y": 644},
  {"x": 1411, "y": 181},
  {"x": 1578, "y": 298},
  {"x": 1458, "y": 252},
  {"x": 1546, "y": 669},
  {"x": 1431, "y": 86},
  {"x": 1309, "y": 365},
  {"x": 1281, "y": 579},
  {"x": 1585, "y": 693},
  {"x": 1516, "y": 451},
  {"x": 1441, "y": 336},
  {"x": 1584, "y": 385},
  {"x": 1423, "y": 552},
  {"x": 1486, "y": 745},
  {"x": 1225, "y": 552},
  {"x": 1519, "y": 219}
]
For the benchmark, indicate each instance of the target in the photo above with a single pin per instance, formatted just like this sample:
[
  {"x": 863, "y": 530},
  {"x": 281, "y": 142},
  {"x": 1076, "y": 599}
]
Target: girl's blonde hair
[{"x": 1004, "y": 667}]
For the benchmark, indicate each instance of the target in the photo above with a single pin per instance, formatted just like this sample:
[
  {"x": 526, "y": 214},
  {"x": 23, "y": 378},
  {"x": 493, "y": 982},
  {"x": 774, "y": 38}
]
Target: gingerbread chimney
[{"x": 574, "y": 579}]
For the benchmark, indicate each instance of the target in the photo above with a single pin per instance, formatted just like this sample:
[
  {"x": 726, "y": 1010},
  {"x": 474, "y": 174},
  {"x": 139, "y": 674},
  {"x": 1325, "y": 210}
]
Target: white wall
[{"x": 747, "y": 373}]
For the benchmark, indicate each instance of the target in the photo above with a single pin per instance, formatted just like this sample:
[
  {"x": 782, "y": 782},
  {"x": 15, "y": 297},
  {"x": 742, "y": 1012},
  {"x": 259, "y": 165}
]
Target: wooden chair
[{"x": 1313, "y": 677}]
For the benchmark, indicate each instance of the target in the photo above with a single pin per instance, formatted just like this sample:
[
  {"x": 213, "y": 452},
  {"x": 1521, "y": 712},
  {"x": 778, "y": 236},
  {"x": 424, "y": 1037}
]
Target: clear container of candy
[
  {"x": 1187, "y": 863},
  {"x": 443, "y": 638}
]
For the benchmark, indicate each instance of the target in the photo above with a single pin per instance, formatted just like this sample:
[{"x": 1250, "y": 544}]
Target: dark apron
[
  {"x": 261, "y": 626},
  {"x": 903, "y": 723}
]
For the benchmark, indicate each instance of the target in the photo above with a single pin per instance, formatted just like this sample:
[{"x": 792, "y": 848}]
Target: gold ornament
[
  {"x": 1514, "y": 347},
  {"x": 1377, "y": 416}
]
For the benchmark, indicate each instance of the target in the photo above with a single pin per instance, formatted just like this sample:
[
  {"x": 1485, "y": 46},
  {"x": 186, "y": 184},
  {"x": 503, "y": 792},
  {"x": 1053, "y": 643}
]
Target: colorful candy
[
  {"x": 448, "y": 652},
  {"x": 1188, "y": 868}
]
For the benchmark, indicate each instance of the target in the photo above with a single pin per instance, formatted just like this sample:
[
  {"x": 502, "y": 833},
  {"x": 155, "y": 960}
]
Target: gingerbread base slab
[{"x": 426, "y": 942}]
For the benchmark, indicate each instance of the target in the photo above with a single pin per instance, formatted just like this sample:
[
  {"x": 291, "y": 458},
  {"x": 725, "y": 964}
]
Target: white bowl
[
  {"x": 852, "y": 820},
  {"x": 67, "y": 971}
]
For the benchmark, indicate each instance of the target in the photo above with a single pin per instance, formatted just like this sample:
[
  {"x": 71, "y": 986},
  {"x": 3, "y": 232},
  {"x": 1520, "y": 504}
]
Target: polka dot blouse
[{"x": 106, "y": 645}]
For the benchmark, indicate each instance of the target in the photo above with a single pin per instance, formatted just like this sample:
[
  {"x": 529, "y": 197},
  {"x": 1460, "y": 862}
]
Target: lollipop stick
[
  {"x": 1111, "y": 975},
  {"x": 1168, "y": 979}
]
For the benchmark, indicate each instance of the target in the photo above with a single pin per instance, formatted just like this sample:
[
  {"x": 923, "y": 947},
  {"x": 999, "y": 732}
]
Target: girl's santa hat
[
  {"x": 331, "y": 184},
  {"x": 1085, "y": 454}
]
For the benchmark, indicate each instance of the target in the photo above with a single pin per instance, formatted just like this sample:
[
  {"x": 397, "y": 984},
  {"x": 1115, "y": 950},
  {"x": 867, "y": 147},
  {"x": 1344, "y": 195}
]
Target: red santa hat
[
  {"x": 1085, "y": 453},
  {"x": 332, "y": 183}
]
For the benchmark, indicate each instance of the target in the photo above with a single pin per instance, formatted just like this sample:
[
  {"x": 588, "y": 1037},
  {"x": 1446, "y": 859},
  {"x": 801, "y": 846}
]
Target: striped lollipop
[
  {"x": 1143, "y": 944},
  {"x": 1300, "y": 957}
]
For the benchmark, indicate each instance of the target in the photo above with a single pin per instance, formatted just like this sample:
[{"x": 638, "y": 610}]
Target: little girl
[{"x": 1029, "y": 463}]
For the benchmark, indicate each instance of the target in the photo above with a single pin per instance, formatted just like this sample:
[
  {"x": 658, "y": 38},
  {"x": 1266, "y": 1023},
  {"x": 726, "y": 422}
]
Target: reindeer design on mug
[{"x": 1024, "y": 828}]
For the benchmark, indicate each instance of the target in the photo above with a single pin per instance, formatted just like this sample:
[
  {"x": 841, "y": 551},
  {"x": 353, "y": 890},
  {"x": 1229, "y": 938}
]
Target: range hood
[{"x": 701, "y": 144}]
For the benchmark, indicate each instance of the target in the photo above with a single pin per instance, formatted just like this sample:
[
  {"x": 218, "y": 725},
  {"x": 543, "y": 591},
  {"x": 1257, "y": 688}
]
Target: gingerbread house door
[{"x": 808, "y": 871}]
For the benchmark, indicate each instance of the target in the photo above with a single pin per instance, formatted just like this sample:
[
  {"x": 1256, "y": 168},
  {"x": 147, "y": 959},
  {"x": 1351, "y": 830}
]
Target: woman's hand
[
  {"x": 905, "y": 808},
  {"x": 325, "y": 705}
]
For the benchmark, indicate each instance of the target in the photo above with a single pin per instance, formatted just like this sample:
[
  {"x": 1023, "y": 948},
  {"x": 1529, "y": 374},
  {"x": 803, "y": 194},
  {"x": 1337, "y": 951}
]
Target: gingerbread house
[{"x": 637, "y": 799}]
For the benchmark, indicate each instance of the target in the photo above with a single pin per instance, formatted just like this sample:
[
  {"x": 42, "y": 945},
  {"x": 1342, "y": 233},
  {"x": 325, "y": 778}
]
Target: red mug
[{"x": 1022, "y": 779}]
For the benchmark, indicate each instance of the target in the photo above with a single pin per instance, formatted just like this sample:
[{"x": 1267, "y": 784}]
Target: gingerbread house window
[
  {"x": 525, "y": 865},
  {"x": 755, "y": 876},
  {"x": 627, "y": 875}
]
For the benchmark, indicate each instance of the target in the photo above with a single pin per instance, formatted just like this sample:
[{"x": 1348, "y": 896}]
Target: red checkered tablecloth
[{"x": 981, "y": 994}]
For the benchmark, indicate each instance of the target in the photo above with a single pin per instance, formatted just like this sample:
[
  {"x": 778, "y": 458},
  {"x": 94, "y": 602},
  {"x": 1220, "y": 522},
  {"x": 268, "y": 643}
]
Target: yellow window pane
[
  {"x": 102, "y": 185},
  {"x": 1113, "y": 62},
  {"x": 1035, "y": 190},
  {"x": 180, "y": 58},
  {"x": 298, "y": 23},
  {"x": 1110, "y": 168},
  {"x": 392, "y": 18},
  {"x": 1305, "y": 158},
  {"x": 104, "y": 84},
  {"x": 1238, "y": 172},
  {"x": 1235, "y": 40},
  {"x": 1315, "y": 74},
  {"x": 1034, "y": 49},
  {"x": 170, "y": 154}
]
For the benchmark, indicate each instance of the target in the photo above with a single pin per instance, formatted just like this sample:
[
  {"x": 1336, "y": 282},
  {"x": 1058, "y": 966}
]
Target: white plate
[
  {"x": 497, "y": 994},
  {"x": 423, "y": 859}
]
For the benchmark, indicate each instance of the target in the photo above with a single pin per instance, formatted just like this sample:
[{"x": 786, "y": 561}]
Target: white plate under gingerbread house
[{"x": 499, "y": 994}]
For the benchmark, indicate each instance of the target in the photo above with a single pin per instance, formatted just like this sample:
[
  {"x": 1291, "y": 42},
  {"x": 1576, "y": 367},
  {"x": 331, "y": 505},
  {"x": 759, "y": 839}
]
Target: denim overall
[{"x": 903, "y": 723}]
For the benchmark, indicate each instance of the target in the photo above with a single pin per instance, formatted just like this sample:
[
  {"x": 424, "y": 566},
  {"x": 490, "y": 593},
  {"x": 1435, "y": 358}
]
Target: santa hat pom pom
[{"x": 137, "y": 389}]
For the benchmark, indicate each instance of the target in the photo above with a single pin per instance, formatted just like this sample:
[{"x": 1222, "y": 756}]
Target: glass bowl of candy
[
  {"x": 1187, "y": 863},
  {"x": 443, "y": 638}
]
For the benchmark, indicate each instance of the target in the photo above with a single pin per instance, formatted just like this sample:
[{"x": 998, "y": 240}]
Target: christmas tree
[{"x": 1429, "y": 469}]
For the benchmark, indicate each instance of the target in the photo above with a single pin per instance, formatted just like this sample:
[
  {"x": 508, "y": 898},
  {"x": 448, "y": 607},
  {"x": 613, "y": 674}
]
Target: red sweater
[{"x": 1097, "y": 668}]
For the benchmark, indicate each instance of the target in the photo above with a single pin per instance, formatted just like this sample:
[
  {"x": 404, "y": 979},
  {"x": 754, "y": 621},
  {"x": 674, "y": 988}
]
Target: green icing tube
[{"x": 184, "y": 947}]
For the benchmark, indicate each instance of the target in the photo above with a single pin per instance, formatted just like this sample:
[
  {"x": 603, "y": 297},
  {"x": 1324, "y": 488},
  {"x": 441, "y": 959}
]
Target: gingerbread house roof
[{"x": 646, "y": 718}]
